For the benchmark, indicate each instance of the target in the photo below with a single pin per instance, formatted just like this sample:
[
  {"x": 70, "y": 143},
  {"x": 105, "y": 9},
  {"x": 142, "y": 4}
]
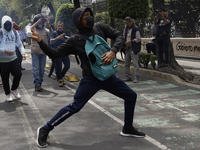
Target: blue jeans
[
  {"x": 60, "y": 73},
  {"x": 38, "y": 68},
  {"x": 87, "y": 88}
]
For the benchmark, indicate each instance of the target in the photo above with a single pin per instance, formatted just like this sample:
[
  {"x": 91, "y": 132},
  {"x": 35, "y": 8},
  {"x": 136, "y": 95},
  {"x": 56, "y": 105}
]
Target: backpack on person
[{"x": 95, "y": 47}]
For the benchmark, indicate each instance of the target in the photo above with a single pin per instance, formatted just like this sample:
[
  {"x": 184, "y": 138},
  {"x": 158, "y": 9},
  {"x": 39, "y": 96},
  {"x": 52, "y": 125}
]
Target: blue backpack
[{"x": 95, "y": 47}]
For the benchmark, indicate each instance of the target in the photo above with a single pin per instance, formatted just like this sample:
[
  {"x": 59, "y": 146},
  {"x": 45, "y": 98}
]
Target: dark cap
[{"x": 128, "y": 19}]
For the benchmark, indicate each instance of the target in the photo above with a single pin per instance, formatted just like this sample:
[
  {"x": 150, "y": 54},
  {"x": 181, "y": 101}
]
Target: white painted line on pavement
[
  {"x": 30, "y": 137},
  {"x": 148, "y": 138}
]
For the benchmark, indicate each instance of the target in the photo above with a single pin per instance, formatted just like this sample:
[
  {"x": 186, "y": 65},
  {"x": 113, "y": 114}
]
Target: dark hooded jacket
[{"x": 75, "y": 45}]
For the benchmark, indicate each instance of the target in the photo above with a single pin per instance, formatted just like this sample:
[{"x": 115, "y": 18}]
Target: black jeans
[
  {"x": 52, "y": 67},
  {"x": 14, "y": 68},
  {"x": 163, "y": 45},
  {"x": 60, "y": 72}
]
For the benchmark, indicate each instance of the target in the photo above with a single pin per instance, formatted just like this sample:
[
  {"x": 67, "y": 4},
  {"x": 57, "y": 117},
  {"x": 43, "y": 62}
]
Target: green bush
[
  {"x": 137, "y": 9},
  {"x": 144, "y": 58},
  {"x": 64, "y": 14},
  {"x": 152, "y": 60},
  {"x": 104, "y": 17}
]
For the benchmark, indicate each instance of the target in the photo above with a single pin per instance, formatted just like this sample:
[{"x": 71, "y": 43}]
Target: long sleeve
[{"x": 137, "y": 37}]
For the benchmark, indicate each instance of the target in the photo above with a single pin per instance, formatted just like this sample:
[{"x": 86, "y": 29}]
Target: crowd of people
[{"x": 58, "y": 44}]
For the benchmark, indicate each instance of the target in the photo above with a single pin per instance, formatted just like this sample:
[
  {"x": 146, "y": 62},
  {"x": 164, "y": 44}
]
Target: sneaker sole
[
  {"x": 138, "y": 136},
  {"x": 37, "y": 139},
  {"x": 9, "y": 100},
  {"x": 16, "y": 96}
]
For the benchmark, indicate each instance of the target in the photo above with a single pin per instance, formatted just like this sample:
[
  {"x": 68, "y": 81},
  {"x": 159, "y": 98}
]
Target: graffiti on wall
[{"x": 181, "y": 46}]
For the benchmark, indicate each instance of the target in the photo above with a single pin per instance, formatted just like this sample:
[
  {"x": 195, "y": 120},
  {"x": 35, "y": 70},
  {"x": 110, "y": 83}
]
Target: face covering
[
  {"x": 7, "y": 26},
  {"x": 90, "y": 21},
  {"x": 39, "y": 27}
]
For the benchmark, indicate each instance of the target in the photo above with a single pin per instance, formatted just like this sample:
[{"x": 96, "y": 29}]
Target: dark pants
[
  {"x": 52, "y": 67},
  {"x": 87, "y": 88},
  {"x": 14, "y": 68},
  {"x": 163, "y": 45},
  {"x": 60, "y": 73}
]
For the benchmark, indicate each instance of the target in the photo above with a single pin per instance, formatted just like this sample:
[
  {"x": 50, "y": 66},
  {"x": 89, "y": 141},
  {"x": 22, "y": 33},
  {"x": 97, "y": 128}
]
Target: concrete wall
[{"x": 182, "y": 46}]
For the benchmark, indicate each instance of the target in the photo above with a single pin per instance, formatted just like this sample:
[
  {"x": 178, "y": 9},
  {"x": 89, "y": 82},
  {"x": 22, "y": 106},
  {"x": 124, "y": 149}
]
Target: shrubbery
[{"x": 64, "y": 14}]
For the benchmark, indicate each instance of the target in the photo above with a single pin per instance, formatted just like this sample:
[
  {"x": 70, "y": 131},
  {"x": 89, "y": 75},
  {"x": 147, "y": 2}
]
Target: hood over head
[
  {"x": 5, "y": 21},
  {"x": 36, "y": 18},
  {"x": 76, "y": 16}
]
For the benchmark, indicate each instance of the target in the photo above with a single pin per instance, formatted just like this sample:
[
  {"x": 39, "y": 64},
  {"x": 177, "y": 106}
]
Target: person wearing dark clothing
[
  {"x": 59, "y": 36},
  {"x": 16, "y": 27},
  {"x": 0, "y": 75},
  {"x": 89, "y": 85},
  {"x": 52, "y": 68},
  {"x": 151, "y": 46},
  {"x": 163, "y": 36}
]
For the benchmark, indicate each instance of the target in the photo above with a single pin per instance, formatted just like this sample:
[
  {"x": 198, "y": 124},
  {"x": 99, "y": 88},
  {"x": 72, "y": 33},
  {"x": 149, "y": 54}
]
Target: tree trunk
[
  {"x": 52, "y": 9},
  {"x": 76, "y": 4},
  {"x": 112, "y": 25},
  {"x": 158, "y": 4},
  {"x": 175, "y": 69}
]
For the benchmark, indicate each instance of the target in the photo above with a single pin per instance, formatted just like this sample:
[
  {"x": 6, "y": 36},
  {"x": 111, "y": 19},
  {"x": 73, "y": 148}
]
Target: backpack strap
[
  {"x": 85, "y": 38},
  {"x": 15, "y": 32},
  {"x": 1, "y": 33}
]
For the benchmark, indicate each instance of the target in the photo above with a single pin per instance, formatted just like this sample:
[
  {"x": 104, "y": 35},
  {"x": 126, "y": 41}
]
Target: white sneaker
[
  {"x": 9, "y": 98},
  {"x": 16, "y": 94},
  {"x": 135, "y": 80}
]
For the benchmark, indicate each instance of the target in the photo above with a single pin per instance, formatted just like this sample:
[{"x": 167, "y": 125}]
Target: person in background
[
  {"x": 9, "y": 63},
  {"x": 132, "y": 48},
  {"x": 16, "y": 27},
  {"x": 89, "y": 85},
  {"x": 59, "y": 37},
  {"x": 0, "y": 75},
  {"x": 38, "y": 56},
  {"x": 163, "y": 36}
]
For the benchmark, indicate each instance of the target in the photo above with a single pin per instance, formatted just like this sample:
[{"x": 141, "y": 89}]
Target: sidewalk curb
[
  {"x": 153, "y": 73},
  {"x": 68, "y": 76},
  {"x": 161, "y": 75}
]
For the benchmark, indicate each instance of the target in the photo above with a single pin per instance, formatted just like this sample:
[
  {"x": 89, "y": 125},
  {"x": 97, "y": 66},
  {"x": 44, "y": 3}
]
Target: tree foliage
[
  {"x": 137, "y": 9},
  {"x": 104, "y": 17},
  {"x": 64, "y": 14},
  {"x": 187, "y": 20},
  {"x": 22, "y": 10}
]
